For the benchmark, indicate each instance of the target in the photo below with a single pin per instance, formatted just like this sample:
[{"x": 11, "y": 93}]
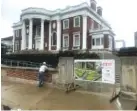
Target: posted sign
[
  {"x": 108, "y": 71},
  {"x": 95, "y": 70}
]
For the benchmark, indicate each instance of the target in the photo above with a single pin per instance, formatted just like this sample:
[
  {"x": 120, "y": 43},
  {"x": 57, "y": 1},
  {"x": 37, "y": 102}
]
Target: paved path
[{"x": 28, "y": 97}]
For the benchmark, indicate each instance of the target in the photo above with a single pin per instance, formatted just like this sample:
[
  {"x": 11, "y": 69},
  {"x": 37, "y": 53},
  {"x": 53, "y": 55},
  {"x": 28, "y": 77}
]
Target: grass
[
  {"x": 79, "y": 72},
  {"x": 91, "y": 74}
]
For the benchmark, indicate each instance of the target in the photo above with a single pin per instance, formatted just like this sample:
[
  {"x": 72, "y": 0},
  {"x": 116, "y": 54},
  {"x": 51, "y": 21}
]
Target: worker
[{"x": 42, "y": 70}]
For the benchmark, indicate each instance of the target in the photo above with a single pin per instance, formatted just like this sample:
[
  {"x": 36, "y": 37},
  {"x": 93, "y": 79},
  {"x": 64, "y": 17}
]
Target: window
[
  {"x": 38, "y": 29},
  {"x": 77, "y": 21},
  {"x": 66, "y": 24},
  {"x": 65, "y": 40},
  {"x": 54, "y": 39},
  {"x": 97, "y": 41},
  {"x": 93, "y": 41},
  {"x": 102, "y": 41},
  {"x": 76, "y": 40},
  {"x": 17, "y": 33}
]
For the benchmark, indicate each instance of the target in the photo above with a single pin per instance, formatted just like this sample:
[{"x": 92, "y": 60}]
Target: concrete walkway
[{"x": 29, "y": 97}]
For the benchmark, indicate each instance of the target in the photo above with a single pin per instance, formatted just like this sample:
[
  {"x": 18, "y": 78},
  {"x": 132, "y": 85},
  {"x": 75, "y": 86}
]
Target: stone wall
[
  {"x": 129, "y": 73},
  {"x": 28, "y": 74}
]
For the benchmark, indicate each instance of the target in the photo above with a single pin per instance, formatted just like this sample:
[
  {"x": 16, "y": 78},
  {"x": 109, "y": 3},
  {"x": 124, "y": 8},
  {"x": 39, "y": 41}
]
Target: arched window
[{"x": 54, "y": 39}]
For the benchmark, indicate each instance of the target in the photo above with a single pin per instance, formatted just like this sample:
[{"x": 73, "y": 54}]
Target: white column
[
  {"x": 42, "y": 35},
  {"x": 84, "y": 38},
  {"x": 50, "y": 35},
  {"x": 58, "y": 34},
  {"x": 13, "y": 41},
  {"x": 30, "y": 33},
  {"x": 23, "y": 43}
]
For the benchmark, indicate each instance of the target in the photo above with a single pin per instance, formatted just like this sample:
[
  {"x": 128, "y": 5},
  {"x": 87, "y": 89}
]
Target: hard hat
[{"x": 44, "y": 63}]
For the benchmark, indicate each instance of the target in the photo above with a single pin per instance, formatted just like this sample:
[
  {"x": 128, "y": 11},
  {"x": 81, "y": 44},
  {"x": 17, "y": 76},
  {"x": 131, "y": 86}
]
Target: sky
[{"x": 121, "y": 14}]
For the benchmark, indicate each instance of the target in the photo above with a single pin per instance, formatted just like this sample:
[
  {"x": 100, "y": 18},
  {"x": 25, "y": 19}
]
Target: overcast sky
[{"x": 121, "y": 14}]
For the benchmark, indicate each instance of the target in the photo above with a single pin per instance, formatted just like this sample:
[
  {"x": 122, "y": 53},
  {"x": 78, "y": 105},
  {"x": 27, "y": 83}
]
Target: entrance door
[{"x": 37, "y": 44}]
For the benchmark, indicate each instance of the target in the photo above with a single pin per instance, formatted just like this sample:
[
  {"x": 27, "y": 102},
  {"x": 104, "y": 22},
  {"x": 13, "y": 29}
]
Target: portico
[{"x": 33, "y": 33}]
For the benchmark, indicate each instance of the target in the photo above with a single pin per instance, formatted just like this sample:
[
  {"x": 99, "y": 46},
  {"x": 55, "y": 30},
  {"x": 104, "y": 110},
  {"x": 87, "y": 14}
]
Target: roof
[
  {"x": 60, "y": 12},
  {"x": 7, "y": 38}
]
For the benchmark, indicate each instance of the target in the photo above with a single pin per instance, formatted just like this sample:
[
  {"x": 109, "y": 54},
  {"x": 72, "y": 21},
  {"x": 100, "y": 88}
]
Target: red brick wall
[
  {"x": 89, "y": 38},
  {"x": 71, "y": 30},
  {"x": 26, "y": 74}
]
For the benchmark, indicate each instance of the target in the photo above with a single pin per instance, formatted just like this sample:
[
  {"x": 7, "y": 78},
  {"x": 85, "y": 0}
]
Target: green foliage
[
  {"x": 50, "y": 58},
  {"x": 78, "y": 55},
  {"x": 79, "y": 72},
  {"x": 127, "y": 51}
]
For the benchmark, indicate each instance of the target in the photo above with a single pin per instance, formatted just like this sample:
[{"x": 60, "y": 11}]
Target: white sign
[{"x": 108, "y": 71}]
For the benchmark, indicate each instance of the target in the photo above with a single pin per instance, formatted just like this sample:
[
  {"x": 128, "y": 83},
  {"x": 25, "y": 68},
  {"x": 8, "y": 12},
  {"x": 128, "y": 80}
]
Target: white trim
[
  {"x": 74, "y": 34},
  {"x": 17, "y": 27},
  {"x": 42, "y": 35},
  {"x": 13, "y": 41},
  {"x": 64, "y": 24},
  {"x": 58, "y": 35},
  {"x": 84, "y": 37},
  {"x": 101, "y": 32},
  {"x": 74, "y": 21},
  {"x": 101, "y": 46},
  {"x": 72, "y": 10},
  {"x": 64, "y": 39},
  {"x": 52, "y": 38},
  {"x": 31, "y": 15},
  {"x": 23, "y": 43},
  {"x": 18, "y": 24},
  {"x": 30, "y": 33},
  {"x": 50, "y": 35}
]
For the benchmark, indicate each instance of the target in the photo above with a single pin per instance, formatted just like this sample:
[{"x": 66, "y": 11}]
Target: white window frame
[
  {"x": 74, "y": 34},
  {"x": 99, "y": 41},
  {"x": 95, "y": 38},
  {"x": 17, "y": 33},
  {"x": 64, "y": 24},
  {"x": 74, "y": 21},
  {"x": 64, "y": 39},
  {"x": 37, "y": 30}
]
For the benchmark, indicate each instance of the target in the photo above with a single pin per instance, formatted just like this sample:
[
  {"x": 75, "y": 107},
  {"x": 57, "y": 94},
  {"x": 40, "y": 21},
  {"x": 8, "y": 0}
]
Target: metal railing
[{"x": 19, "y": 63}]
